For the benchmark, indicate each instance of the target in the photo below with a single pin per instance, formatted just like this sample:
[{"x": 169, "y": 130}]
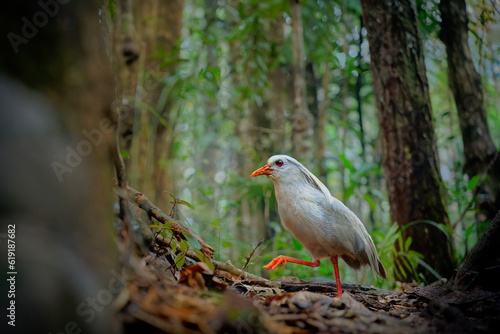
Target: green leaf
[
  {"x": 400, "y": 241},
  {"x": 161, "y": 214},
  {"x": 347, "y": 163},
  {"x": 200, "y": 254},
  {"x": 429, "y": 268},
  {"x": 166, "y": 225},
  {"x": 209, "y": 263},
  {"x": 415, "y": 254},
  {"x": 179, "y": 259},
  {"x": 378, "y": 235},
  {"x": 192, "y": 240},
  {"x": 112, "y": 9},
  {"x": 124, "y": 154},
  {"x": 407, "y": 264},
  {"x": 468, "y": 231},
  {"x": 172, "y": 195},
  {"x": 189, "y": 205},
  {"x": 205, "y": 259},
  {"x": 164, "y": 234},
  {"x": 348, "y": 192},
  {"x": 370, "y": 201},
  {"x": 401, "y": 269},
  {"x": 154, "y": 226},
  {"x": 184, "y": 245},
  {"x": 473, "y": 182},
  {"x": 428, "y": 222},
  {"x": 407, "y": 244}
]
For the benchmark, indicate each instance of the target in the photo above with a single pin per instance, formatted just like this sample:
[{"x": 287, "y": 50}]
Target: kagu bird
[{"x": 323, "y": 224}]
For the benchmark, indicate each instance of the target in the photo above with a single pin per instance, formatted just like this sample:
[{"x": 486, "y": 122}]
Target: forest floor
[{"x": 161, "y": 298}]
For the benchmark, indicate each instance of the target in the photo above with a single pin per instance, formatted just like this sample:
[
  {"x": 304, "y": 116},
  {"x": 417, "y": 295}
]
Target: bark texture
[
  {"x": 466, "y": 86},
  {"x": 410, "y": 159}
]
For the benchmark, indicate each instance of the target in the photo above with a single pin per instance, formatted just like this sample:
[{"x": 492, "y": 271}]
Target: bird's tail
[
  {"x": 367, "y": 256},
  {"x": 381, "y": 270}
]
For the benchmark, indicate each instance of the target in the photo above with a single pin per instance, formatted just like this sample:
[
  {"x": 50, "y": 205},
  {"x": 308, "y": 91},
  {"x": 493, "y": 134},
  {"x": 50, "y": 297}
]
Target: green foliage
[{"x": 186, "y": 242}]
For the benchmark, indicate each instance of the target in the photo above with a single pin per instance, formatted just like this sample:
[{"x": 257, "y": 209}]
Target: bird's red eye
[{"x": 279, "y": 163}]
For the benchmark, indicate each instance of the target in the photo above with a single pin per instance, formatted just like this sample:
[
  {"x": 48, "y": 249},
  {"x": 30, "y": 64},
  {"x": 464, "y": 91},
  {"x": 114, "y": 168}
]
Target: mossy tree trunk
[
  {"x": 465, "y": 83},
  {"x": 410, "y": 159}
]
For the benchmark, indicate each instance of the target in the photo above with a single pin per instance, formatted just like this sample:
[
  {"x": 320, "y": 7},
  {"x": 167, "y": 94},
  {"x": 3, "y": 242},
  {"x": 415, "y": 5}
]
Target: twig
[
  {"x": 122, "y": 184},
  {"x": 495, "y": 6},
  {"x": 225, "y": 266},
  {"x": 230, "y": 268},
  {"x": 249, "y": 257}
]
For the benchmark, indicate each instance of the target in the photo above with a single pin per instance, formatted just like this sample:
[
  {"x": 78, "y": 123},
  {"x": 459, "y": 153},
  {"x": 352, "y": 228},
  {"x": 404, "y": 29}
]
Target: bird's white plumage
[{"x": 323, "y": 224}]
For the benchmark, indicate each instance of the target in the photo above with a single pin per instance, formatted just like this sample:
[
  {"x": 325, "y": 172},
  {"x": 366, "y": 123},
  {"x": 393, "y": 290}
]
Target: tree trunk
[
  {"x": 56, "y": 135},
  {"x": 344, "y": 96},
  {"x": 278, "y": 95},
  {"x": 359, "y": 84},
  {"x": 410, "y": 159},
  {"x": 465, "y": 84},
  {"x": 125, "y": 55},
  {"x": 322, "y": 120},
  {"x": 482, "y": 266},
  {"x": 302, "y": 119}
]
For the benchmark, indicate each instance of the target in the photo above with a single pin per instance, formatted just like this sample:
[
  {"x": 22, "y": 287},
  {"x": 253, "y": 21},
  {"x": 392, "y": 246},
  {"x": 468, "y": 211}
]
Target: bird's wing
[
  {"x": 354, "y": 237},
  {"x": 315, "y": 182}
]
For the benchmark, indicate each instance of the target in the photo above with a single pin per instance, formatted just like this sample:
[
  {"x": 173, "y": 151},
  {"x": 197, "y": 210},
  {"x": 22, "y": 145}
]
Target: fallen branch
[{"x": 153, "y": 211}]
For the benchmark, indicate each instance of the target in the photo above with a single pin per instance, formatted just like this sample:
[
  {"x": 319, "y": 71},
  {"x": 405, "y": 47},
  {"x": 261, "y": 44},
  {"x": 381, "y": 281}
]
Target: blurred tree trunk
[
  {"x": 142, "y": 29},
  {"x": 312, "y": 99},
  {"x": 278, "y": 94},
  {"x": 302, "y": 119},
  {"x": 343, "y": 127},
  {"x": 261, "y": 130},
  {"x": 359, "y": 84},
  {"x": 410, "y": 158},
  {"x": 125, "y": 55},
  {"x": 466, "y": 86},
  {"x": 320, "y": 137},
  {"x": 56, "y": 135},
  {"x": 211, "y": 121}
]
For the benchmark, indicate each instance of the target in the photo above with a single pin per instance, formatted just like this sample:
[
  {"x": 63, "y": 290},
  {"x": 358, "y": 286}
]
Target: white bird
[{"x": 323, "y": 224}]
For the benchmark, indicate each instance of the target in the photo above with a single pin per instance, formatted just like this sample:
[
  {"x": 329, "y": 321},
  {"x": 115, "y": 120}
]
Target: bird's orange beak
[{"x": 264, "y": 170}]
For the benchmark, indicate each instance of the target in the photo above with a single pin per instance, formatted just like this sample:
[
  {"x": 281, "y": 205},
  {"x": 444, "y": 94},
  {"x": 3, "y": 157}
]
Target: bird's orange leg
[
  {"x": 335, "y": 261},
  {"x": 284, "y": 259}
]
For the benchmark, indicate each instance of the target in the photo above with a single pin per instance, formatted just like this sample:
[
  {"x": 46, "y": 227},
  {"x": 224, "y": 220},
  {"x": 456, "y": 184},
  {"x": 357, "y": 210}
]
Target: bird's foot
[
  {"x": 285, "y": 259},
  {"x": 276, "y": 262}
]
